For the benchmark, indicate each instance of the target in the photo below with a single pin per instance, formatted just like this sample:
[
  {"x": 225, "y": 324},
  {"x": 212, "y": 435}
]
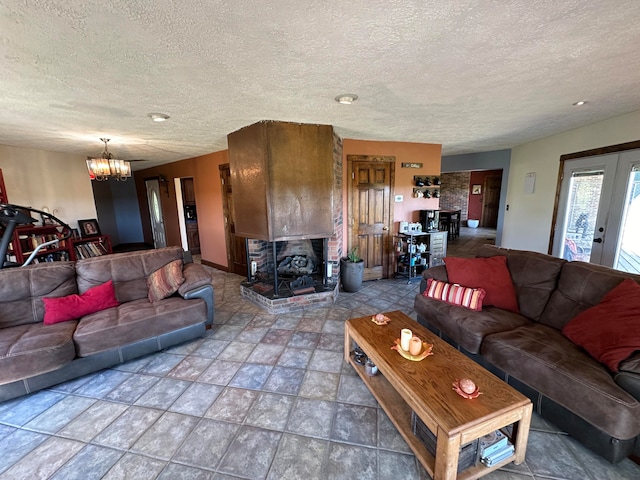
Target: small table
[{"x": 426, "y": 388}]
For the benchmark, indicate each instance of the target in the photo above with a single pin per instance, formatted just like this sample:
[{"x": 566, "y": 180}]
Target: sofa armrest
[
  {"x": 437, "y": 273},
  {"x": 197, "y": 284},
  {"x": 195, "y": 276},
  {"x": 629, "y": 375}
]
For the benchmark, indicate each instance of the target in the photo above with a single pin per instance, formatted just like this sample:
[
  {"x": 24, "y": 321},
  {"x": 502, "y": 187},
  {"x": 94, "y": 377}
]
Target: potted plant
[{"x": 351, "y": 271}]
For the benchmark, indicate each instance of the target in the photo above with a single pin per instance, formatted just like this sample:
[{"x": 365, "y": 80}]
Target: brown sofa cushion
[
  {"x": 467, "y": 327},
  {"x": 195, "y": 276},
  {"x": 129, "y": 271},
  {"x": 534, "y": 276},
  {"x": 544, "y": 359},
  {"x": 134, "y": 321},
  {"x": 35, "y": 348},
  {"x": 22, "y": 288},
  {"x": 581, "y": 286}
]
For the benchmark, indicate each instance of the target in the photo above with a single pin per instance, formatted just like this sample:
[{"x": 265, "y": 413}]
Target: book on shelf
[
  {"x": 492, "y": 442},
  {"x": 498, "y": 456},
  {"x": 90, "y": 249}
]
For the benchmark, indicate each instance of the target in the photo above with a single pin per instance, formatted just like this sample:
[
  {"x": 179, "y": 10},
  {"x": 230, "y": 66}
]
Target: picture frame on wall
[
  {"x": 476, "y": 189},
  {"x": 89, "y": 228}
]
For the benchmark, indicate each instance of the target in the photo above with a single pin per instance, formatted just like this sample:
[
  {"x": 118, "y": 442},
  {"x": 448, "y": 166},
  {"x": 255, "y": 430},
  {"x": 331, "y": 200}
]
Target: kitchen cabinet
[
  {"x": 418, "y": 251},
  {"x": 188, "y": 191},
  {"x": 193, "y": 238}
]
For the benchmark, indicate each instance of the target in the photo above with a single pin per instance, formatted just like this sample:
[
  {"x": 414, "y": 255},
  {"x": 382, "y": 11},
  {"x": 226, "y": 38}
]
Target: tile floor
[{"x": 260, "y": 396}]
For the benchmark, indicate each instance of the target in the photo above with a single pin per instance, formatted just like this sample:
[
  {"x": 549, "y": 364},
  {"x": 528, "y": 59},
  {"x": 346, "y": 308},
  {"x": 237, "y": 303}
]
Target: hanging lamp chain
[{"x": 106, "y": 154}]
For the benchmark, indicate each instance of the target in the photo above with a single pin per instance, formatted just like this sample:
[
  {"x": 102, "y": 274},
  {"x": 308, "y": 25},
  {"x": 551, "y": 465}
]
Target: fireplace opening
[{"x": 284, "y": 269}]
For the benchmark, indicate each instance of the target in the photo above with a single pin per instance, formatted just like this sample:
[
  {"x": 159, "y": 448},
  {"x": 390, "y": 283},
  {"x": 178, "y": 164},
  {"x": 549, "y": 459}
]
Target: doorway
[
  {"x": 155, "y": 213},
  {"x": 236, "y": 245},
  {"x": 491, "y": 201},
  {"x": 598, "y": 211},
  {"x": 370, "y": 211}
]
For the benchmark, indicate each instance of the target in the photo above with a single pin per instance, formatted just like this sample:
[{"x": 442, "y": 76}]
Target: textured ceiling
[{"x": 470, "y": 75}]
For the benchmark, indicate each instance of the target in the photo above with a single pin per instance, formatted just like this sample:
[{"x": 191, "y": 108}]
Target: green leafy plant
[{"x": 353, "y": 255}]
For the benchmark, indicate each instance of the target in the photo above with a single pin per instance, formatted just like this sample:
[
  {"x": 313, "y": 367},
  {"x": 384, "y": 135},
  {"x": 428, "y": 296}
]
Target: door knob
[
  {"x": 597, "y": 240},
  {"x": 385, "y": 228}
]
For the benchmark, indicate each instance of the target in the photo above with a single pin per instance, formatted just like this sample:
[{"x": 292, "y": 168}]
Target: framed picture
[
  {"x": 89, "y": 228},
  {"x": 476, "y": 189}
]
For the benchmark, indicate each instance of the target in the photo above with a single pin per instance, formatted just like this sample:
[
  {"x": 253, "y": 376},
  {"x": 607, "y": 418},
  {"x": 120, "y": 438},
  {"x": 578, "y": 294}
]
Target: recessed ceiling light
[
  {"x": 581, "y": 102},
  {"x": 346, "y": 98},
  {"x": 158, "y": 117}
]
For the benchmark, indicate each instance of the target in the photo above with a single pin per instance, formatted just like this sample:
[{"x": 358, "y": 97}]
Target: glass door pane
[
  {"x": 585, "y": 188},
  {"x": 628, "y": 248}
]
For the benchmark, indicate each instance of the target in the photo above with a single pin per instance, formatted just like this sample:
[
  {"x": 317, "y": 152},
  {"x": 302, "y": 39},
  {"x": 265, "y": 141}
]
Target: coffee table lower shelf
[{"x": 400, "y": 414}]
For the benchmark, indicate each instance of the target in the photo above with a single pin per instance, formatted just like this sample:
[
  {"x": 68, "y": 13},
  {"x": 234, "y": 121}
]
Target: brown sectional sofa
[
  {"x": 527, "y": 350},
  {"x": 35, "y": 356}
]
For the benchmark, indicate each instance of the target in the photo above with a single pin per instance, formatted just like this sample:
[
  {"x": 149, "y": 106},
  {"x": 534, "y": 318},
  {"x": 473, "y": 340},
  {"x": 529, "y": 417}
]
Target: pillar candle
[
  {"x": 405, "y": 339},
  {"x": 416, "y": 346}
]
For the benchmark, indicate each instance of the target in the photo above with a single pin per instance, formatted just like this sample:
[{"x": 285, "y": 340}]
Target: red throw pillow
[
  {"x": 470, "y": 298},
  {"x": 609, "y": 331},
  {"x": 61, "y": 309},
  {"x": 489, "y": 273},
  {"x": 165, "y": 281}
]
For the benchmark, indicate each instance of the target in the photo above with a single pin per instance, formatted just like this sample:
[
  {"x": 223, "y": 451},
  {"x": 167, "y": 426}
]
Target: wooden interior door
[
  {"x": 236, "y": 245},
  {"x": 491, "y": 201},
  {"x": 370, "y": 212}
]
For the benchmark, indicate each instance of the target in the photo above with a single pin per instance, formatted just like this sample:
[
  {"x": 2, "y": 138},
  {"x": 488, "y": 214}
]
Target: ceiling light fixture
[
  {"x": 158, "y": 117},
  {"x": 578, "y": 104},
  {"x": 346, "y": 98},
  {"x": 105, "y": 166}
]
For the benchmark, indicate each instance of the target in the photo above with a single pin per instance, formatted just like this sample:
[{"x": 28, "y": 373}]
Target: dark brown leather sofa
[
  {"x": 35, "y": 356},
  {"x": 527, "y": 350}
]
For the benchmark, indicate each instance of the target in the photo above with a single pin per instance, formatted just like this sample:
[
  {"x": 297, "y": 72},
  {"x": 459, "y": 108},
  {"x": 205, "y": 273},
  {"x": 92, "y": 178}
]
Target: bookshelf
[
  {"x": 3, "y": 191},
  {"x": 28, "y": 237},
  {"x": 90, "y": 247}
]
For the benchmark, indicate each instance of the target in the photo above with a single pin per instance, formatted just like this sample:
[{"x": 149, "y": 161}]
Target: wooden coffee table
[{"x": 426, "y": 388}]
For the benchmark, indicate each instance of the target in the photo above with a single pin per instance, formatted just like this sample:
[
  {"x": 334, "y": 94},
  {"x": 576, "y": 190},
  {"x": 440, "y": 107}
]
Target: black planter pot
[{"x": 351, "y": 275}]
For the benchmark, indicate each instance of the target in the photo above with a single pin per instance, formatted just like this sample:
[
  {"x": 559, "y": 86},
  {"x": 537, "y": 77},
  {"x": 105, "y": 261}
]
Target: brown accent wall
[
  {"x": 206, "y": 177},
  {"x": 204, "y": 170},
  {"x": 428, "y": 154}
]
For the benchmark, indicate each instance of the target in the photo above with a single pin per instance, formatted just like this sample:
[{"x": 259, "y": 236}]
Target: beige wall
[
  {"x": 38, "y": 178},
  {"x": 527, "y": 223}
]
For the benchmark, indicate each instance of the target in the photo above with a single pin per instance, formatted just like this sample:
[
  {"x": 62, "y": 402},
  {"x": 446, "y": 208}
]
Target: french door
[{"x": 598, "y": 217}]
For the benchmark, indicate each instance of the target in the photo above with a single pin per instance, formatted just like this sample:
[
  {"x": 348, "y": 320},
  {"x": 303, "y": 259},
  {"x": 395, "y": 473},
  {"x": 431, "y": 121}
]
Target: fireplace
[
  {"x": 287, "y": 181},
  {"x": 282, "y": 278}
]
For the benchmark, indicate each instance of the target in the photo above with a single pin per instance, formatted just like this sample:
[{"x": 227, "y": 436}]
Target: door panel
[
  {"x": 155, "y": 212},
  {"x": 627, "y": 248},
  {"x": 370, "y": 220},
  {"x": 490, "y": 201},
  {"x": 584, "y": 210},
  {"x": 236, "y": 245}
]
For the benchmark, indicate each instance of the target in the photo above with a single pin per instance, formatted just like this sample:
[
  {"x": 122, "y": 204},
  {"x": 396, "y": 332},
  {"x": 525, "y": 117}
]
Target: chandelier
[{"x": 105, "y": 166}]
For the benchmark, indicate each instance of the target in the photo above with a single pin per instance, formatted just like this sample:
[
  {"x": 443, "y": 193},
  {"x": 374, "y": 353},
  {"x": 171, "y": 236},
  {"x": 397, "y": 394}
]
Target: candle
[
  {"x": 415, "y": 346},
  {"x": 405, "y": 339}
]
